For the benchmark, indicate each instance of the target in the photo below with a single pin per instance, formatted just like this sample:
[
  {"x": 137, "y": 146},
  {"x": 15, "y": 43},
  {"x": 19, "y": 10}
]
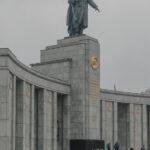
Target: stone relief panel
[
  {"x": 10, "y": 82},
  {"x": 49, "y": 95},
  {"x": 138, "y": 112}
]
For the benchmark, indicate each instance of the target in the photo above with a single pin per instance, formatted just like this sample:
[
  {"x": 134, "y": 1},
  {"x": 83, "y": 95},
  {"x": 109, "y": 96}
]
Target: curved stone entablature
[
  {"x": 8, "y": 61},
  {"x": 125, "y": 97}
]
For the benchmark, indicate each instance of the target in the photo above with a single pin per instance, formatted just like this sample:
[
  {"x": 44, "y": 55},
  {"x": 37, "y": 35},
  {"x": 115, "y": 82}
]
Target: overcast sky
[{"x": 122, "y": 28}]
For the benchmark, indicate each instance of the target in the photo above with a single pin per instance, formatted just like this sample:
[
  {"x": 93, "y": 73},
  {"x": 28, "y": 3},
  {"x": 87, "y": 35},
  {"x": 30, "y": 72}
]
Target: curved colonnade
[
  {"x": 28, "y": 106},
  {"x": 125, "y": 117}
]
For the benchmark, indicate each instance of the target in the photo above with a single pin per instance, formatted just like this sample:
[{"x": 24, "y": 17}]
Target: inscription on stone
[{"x": 94, "y": 90}]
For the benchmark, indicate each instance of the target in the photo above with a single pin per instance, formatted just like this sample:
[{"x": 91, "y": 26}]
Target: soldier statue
[{"x": 77, "y": 16}]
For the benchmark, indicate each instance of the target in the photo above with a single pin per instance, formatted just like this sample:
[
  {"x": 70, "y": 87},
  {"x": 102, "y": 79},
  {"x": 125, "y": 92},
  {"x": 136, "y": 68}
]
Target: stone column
[
  {"x": 148, "y": 126},
  {"x": 26, "y": 115},
  {"x": 131, "y": 111},
  {"x": 145, "y": 129},
  {"x": 54, "y": 125},
  {"x": 41, "y": 119},
  {"x": 109, "y": 122},
  {"x": 115, "y": 121},
  {"x": 45, "y": 120},
  {"x": 66, "y": 122},
  {"x": 100, "y": 105},
  {"x": 9, "y": 107},
  {"x": 49, "y": 119},
  {"x": 138, "y": 125},
  {"x": 20, "y": 116},
  {"x": 14, "y": 113},
  {"x": 103, "y": 120},
  {"x": 32, "y": 118}
]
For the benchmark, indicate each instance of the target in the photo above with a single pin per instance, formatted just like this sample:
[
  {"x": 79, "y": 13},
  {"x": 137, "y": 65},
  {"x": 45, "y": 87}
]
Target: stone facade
[
  {"x": 59, "y": 99},
  {"x": 28, "y": 106},
  {"x": 132, "y": 123}
]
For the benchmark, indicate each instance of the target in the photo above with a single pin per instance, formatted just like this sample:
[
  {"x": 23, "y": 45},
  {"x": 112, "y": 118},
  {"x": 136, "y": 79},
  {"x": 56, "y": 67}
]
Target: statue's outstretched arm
[{"x": 93, "y": 4}]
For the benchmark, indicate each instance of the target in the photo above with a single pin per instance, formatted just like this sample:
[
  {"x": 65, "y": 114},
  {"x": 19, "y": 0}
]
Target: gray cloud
[{"x": 122, "y": 28}]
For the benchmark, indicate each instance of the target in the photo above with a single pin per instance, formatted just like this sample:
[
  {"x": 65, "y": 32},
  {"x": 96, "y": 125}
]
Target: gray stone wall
[{"x": 59, "y": 69}]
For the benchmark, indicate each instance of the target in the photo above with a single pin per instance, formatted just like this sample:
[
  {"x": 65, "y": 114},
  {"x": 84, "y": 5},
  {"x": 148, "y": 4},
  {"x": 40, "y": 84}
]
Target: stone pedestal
[{"x": 77, "y": 60}]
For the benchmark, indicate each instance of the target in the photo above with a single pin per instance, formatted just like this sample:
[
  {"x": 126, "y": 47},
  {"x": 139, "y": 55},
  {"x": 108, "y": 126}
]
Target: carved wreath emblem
[
  {"x": 94, "y": 62},
  {"x": 138, "y": 110}
]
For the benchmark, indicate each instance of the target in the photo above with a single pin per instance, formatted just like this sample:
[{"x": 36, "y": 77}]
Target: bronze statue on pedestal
[{"x": 77, "y": 16}]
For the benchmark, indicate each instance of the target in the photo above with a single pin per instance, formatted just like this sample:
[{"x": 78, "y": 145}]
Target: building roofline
[{"x": 146, "y": 95}]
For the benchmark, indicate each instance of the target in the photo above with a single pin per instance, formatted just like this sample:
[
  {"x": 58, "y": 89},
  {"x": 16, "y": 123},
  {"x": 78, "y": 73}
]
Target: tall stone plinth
[{"x": 77, "y": 60}]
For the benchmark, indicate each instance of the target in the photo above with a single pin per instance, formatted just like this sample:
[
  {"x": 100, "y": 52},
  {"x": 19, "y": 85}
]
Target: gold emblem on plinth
[{"x": 94, "y": 62}]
